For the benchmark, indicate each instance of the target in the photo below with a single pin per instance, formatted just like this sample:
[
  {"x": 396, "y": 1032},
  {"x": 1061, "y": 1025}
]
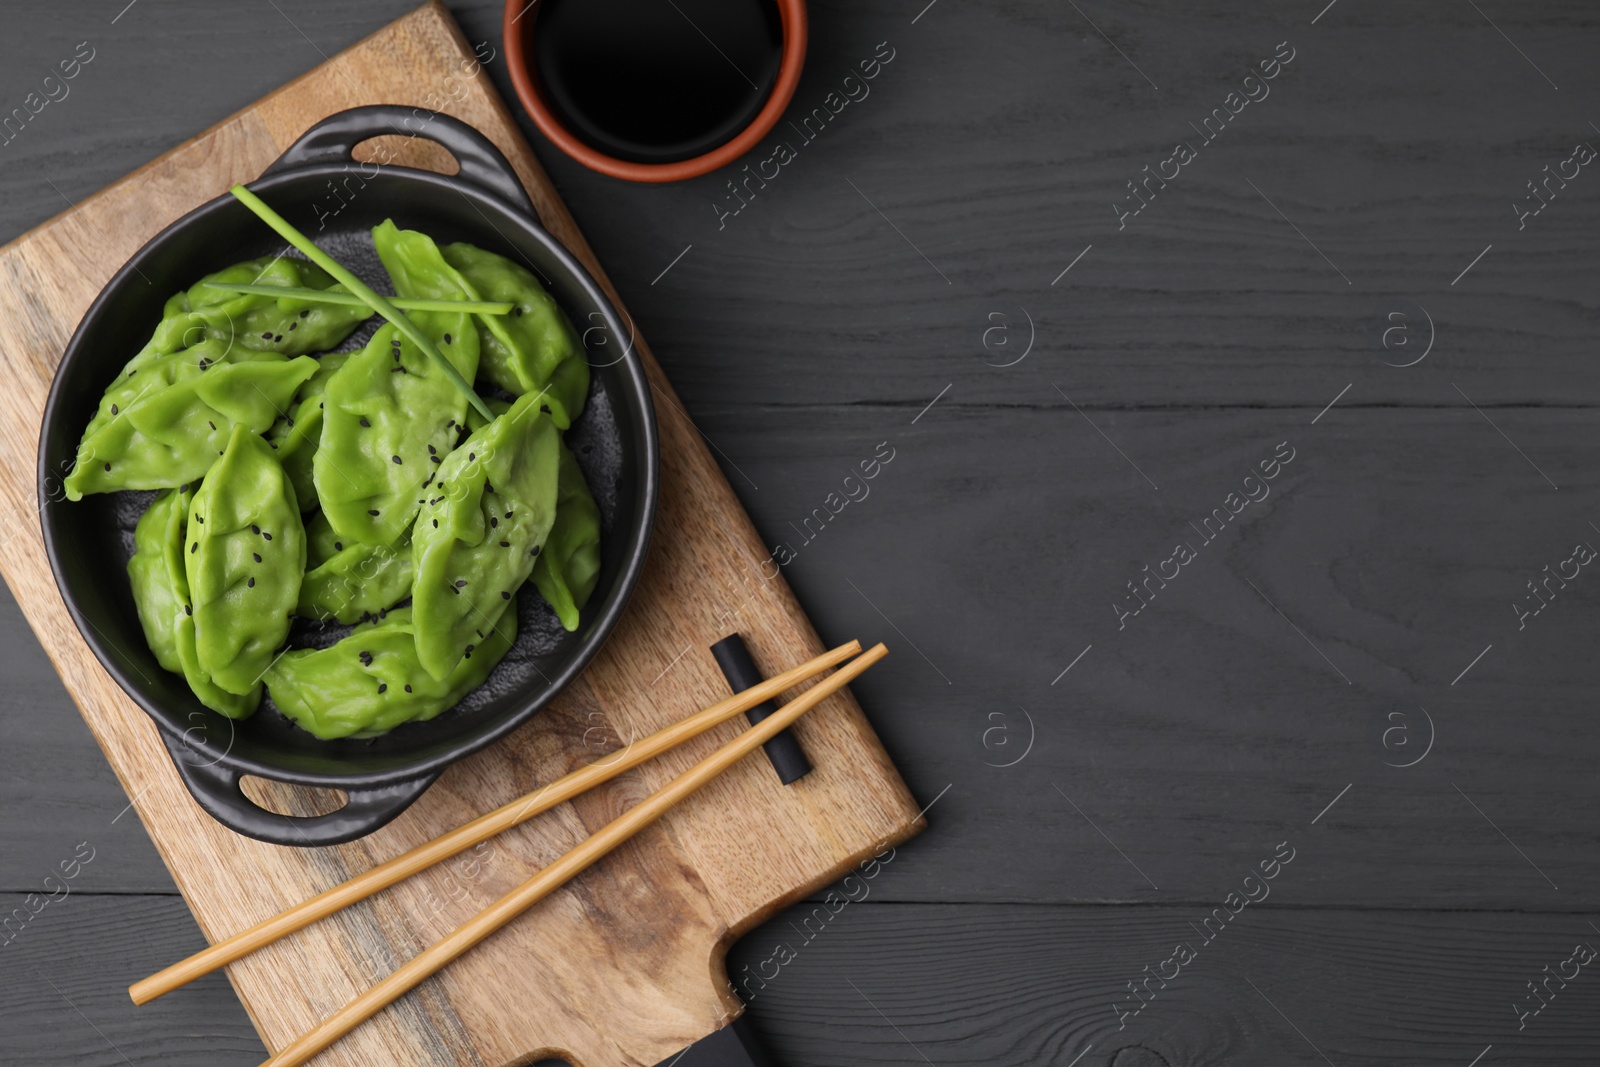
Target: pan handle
[
  {"x": 215, "y": 787},
  {"x": 335, "y": 137}
]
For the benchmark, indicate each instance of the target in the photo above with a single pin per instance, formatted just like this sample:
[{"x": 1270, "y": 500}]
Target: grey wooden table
[{"x": 1225, "y": 768}]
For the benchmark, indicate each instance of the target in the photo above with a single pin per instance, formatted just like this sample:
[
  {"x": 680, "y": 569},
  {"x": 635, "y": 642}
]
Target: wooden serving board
[{"x": 624, "y": 966}]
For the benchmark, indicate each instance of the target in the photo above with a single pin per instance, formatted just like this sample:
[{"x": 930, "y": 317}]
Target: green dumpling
[
  {"x": 160, "y": 590},
  {"x": 533, "y": 349},
  {"x": 389, "y": 414},
  {"x": 161, "y": 595},
  {"x": 297, "y": 435},
  {"x": 371, "y": 682},
  {"x": 568, "y": 565},
  {"x": 172, "y": 435},
  {"x": 246, "y": 555},
  {"x": 351, "y": 580},
  {"x": 269, "y": 324},
  {"x": 155, "y": 374},
  {"x": 480, "y": 529}
]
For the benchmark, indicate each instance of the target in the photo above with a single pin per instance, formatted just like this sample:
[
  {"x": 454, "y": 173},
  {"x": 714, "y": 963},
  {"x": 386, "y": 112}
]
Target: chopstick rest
[
  {"x": 787, "y": 757},
  {"x": 480, "y": 829},
  {"x": 432, "y": 959}
]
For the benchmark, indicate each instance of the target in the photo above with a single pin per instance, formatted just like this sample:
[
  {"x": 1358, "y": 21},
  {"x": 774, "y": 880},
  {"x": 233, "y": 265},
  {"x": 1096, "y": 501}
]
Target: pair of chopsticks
[{"x": 546, "y": 881}]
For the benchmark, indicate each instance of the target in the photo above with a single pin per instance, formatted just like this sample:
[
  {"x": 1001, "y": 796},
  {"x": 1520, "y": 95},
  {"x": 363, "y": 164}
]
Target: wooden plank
[
  {"x": 998, "y": 142},
  {"x": 1397, "y": 540},
  {"x": 897, "y": 984},
  {"x": 959, "y": 984},
  {"x": 613, "y": 992}
]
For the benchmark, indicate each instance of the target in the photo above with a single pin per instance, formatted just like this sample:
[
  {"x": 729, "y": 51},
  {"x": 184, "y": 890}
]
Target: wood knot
[{"x": 1138, "y": 1056}]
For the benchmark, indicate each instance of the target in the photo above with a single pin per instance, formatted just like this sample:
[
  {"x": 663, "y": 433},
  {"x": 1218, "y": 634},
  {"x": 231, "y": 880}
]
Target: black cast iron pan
[{"x": 318, "y": 186}]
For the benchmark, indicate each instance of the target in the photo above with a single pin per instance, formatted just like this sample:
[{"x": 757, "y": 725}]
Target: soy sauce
[{"x": 657, "y": 81}]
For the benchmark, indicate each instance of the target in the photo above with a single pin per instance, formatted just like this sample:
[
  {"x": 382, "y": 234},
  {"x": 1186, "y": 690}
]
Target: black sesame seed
[
  {"x": 194, "y": 548},
  {"x": 113, "y": 409},
  {"x": 435, "y": 524},
  {"x": 446, "y": 338},
  {"x": 278, "y": 338},
  {"x": 517, "y": 311},
  {"x": 211, "y": 424},
  {"x": 254, "y": 528},
  {"x": 492, "y": 520},
  {"x": 294, "y": 325},
  {"x": 108, "y": 466},
  {"x": 338, "y": 546},
  {"x": 435, "y": 459},
  {"x": 257, "y": 555},
  {"x": 535, "y": 551},
  {"x": 505, "y": 544},
  {"x": 460, "y": 582},
  {"x": 432, "y": 451},
  {"x": 267, "y": 536},
  {"x": 397, "y": 460},
  {"x": 372, "y": 511},
  {"x": 251, "y": 583},
  {"x": 187, "y": 610},
  {"x": 408, "y": 689},
  {"x": 470, "y": 648},
  {"x": 303, "y": 314},
  {"x": 383, "y": 687},
  {"x": 364, "y": 421},
  {"x": 504, "y": 595},
  {"x": 472, "y": 456},
  {"x": 508, "y": 514},
  {"x": 267, "y": 336},
  {"x": 366, "y": 658},
  {"x": 545, "y": 408},
  {"x": 200, "y": 519}
]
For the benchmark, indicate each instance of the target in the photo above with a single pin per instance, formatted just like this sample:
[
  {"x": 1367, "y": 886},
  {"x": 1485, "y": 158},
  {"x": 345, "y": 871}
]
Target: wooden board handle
[{"x": 735, "y": 1045}]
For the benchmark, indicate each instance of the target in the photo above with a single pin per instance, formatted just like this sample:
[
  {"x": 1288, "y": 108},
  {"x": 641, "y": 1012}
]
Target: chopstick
[
  {"x": 413, "y": 972},
  {"x": 478, "y": 830}
]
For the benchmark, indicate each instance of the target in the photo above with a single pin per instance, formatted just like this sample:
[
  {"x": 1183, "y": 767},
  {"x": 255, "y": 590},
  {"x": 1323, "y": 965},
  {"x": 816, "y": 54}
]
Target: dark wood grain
[
  {"x": 1028, "y": 985},
  {"x": 986, "y": 984},
  {"x": 807, "y": 331},
  {"x": 1396, "y": 540}
]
